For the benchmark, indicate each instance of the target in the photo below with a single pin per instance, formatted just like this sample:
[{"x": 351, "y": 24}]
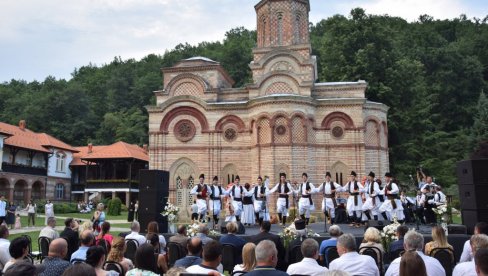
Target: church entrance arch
[
  {"x": 229, "y": 172},
  {"x": 339, "y": 172}
]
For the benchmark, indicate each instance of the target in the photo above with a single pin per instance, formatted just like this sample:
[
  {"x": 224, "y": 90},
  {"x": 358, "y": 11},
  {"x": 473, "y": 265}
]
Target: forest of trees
[{"x": 432, "y": 74}]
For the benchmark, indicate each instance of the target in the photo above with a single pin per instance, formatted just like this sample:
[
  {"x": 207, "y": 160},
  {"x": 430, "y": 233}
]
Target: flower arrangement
[
  {"x": 213, "y": 233},
  {"x": 388, "y": 234},
  {"x": 192, "y": 229},
  {"x": 442, "y": 212},
  {"x": 171, "y": 211},
  {"x": 288, "y": 235}
]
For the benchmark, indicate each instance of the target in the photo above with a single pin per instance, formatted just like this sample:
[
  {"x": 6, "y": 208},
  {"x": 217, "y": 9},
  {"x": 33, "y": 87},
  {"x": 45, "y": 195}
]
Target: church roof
[{"x": 196, "y": 61}]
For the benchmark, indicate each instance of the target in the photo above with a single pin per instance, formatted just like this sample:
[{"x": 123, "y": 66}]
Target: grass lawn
[
  {"x": 121, "y": 225},
  {"x": 122, "y": 216},
  {"x": 39, "y": 221}
]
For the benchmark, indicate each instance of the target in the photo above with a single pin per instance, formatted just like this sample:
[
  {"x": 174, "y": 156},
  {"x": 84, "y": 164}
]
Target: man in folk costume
[
  {"x": 202, "y": 191},
  {"x": 284, "y": 190},
  {"x": 329, "y": 189},
  {"x": 354, "y": 202},
  {"x": 260, "y": 192},
  {"x": 215, "y": 201},
  {"x": 305, "y": 204},
  {"x": 237, "y": 194},
  {"x": 372, "y": 203},
  {"x": 392, "y": 206}
]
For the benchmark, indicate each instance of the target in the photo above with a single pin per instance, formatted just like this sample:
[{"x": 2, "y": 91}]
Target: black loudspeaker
[
  {"x": 473, "y": 172},
  {"x": 378, "y": 224},
  {"x": 153, "y": 195}
]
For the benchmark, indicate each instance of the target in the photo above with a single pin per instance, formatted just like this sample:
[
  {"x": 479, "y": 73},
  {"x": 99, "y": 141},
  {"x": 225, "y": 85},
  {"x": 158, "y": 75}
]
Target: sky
[{"x": 53, "y": 37}]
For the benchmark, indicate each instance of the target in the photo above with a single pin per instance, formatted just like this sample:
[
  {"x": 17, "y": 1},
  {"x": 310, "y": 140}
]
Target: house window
[
  {"x": 59, "y": 191},
  {"x": 60, "y": 161}
]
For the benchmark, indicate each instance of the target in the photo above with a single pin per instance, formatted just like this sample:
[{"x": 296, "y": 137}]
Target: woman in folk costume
[
  {"x": 230, "y": 207},
  {"x": 215, "y": 202},
  {"x": 329, "y": 189},
  {"x": 237, "y": 193},
  {"x": 202, "y": 191},
  {"x": 371, "y": 192},
  {"x": 247, "y": 217},
  {"x": 305, "y": 204},
  {"x": 260, "y": 192},
  {"x": 392, "y": 206},
  {"x": 354, "y": 201},
  {"x": 284, "y": 189}
]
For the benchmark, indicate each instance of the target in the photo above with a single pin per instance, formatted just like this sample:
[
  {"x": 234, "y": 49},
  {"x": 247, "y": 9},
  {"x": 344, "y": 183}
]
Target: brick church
[{"x": 285, "y": 121}]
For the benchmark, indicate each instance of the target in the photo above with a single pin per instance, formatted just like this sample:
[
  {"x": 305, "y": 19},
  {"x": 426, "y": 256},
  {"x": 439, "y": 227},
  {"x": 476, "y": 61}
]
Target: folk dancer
[
  {"x": 230, "y": 207},
  {"x": 237, "y": 193},
  {"x": 284, "y": 190},
  {"x": 428, "y": 189},
  {"x": 372, "y": 203},
  {"x": 305, "y": 204},
  {"x": 247, "y": 206},
  {"x": 354, "y": 202},
  {"x": 215, "y": 201},
  {"x": 392, "y": 207},
  {"x": 260, "y": 192},
  {"x": 202, "y": 191},
  {"x": 419, "y": 206},
  {"x": 329, "y": 203},
  {"x": 438, "y": 200}
]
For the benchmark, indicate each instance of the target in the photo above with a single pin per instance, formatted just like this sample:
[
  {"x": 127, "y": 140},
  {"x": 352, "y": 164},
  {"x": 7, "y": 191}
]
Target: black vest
[
  {"x": 286, "y": 188},
  {"x": 263, "y": 191}
]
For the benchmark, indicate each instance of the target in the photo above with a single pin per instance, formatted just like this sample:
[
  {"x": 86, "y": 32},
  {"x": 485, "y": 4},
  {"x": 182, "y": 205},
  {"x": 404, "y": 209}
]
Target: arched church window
[
  {"x": 191, "y": 183},
  {"x": 280, "y": 28},
  {"x": 179, "y": 192},
  {"x": 263, "y": 30},
  {"x": 297, "y": 28}
]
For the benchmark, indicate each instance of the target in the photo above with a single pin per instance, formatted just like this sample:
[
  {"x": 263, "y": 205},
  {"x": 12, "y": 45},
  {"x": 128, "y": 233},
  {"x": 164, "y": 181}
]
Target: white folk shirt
[
  {"x": 194, "y": 190},
  {"x": 420, "y": 200},
  {"x": 238, "y": 190},
  {"x": 326, "y": 187},
  {"x": 303, "y": 190},
  {"x": 307, "y": 266},
  {"x": 275, "y": 188},
  {"x": 434, "y": 267},
  {"x": 394, "y": 189},
  {"x": 439, "y": 198},
  {"x": 355, "y": 264},
  {"x": 376, "y": 189}
]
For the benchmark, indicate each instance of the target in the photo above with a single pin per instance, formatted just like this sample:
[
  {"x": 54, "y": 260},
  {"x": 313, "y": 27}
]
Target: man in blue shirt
[
  {"x": 398, "y": 244},
  {"x": 334, "y": 231},
  {"x": 87, "y": 240},
  {"x": 236, "y": 241},
  {"x": 194, "y": 247}
]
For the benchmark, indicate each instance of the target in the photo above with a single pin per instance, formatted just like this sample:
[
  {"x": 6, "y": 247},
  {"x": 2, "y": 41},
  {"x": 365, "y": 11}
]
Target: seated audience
[
  {"x": 95, "y": 256},
  {"x": 414, "y": 241},
  {"x": 117, "y": 252},
  {"x": 265, "y": 235},
  {"x": 231, "y": 238},
  {"x": 309, "y": 265},
  {"x": 372, "y": 238},
  {"x": 481, "y": 262},
  {"x": 334, "y": 232},
  {"x": 153, "y": 228},
  {"x": 248, "y": 259},
  {"x": 80, "y": 269},
  {"x": 194, "y": 249},
  {"x": 400, "y": 233},
  {"x": 162, "y": 266},
  {"x": 19, "y": 249},
  {"x": 412, "y": 264},
  {"x": 105, "y": 235},
  {"x": 70, "y": 233},
  {"x": 55, "y": 262},
  {"x": 87, "y": 225},
  {"x": 24, "y": 269},
  {"x": 87, "y": 239},
  {"x": 176, "y": 271},
  {"x": 4, "y": 246},
  {"x": 135, "y": 228},
  {"x": 349, "y": 260},
  {"x": 479, "y": 241},
  {"x": 266, "y": 260},
  {"x": 203, "y": 233},
  {"x": 439, "y": 240},
  {"x": 212, "y": 256},
  {"x": 180, "y": 236},
  {"x": 49, "y": 231},
  {"x": 467, "y": 255},
  {"x": 145, "y": 262}
]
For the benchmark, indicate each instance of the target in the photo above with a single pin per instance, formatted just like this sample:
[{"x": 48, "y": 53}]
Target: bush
[
  {"x": 124, "y": 208},
  {"x": 59, "y": 208},
  {"x": 114, "y": 207}
]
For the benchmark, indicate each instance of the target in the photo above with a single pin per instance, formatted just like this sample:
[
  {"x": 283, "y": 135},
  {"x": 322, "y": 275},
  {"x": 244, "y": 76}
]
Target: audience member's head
[
  {"x": 87, "y": 238},
  {"x": 249, "y": 256},
  {"x": 401, "y": 231},
  {"x": 231, "y": 227},
  {"x": 481, "y": 262},
  {"x": 335, "y": 231},
  {"x": 51, "y": 221},
  {"x": 202, "y": 228},
  {"x": 439, "y": 236},
  {"x": 145, "y": 258},
  {"x": 24, "y": 269},
  {"x": 478, "y": 241},
  {"x": 346, "y": 243},
  {"x": 86, "y": 225},
  {"x": 100, "y": 207},
  {"x": 212, "y": 254},
  {"x": 194, "y": 246},
  {"x": 3, "y": 232},
  {"x": 182, "y": 230},
  {"x": 413, "y": 241},
  {"x": 310, "y": 248},
  {"x": 265, "y": 226},
  {"x": 153, "y": 227},
  {"x": 135, "y": 227},
  {"x": 176, "y": 271},
  {"x": 481, "y": 228},
  {"x": 266, "y": 253},
  {"x": 95, "y": 256},
  {"x": 117, "y": 250},
  {"x": 153, "y": 239},
  {"x": 58, "y": 248},
  {"x": 19, "y": 248},
  {"x": 412, "y": 264},
  {"x": 69, "y": 222},
  {"x": 105, "y": 227},
  {"x": 80, "y": 269},
  {"x": 372, "y": 235}
]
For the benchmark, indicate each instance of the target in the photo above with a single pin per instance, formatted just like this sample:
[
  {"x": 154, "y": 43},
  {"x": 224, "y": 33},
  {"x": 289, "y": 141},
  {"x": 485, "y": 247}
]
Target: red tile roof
[
  {"x": 27, "y": 139},
  {"x": 119, "y": 150}
]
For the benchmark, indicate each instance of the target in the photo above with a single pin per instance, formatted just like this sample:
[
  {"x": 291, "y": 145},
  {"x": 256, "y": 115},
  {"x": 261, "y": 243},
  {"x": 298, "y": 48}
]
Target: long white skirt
[
  {"x": 215, "y": 206},
  {"x": 351, "y": 206},
  {"x": 304, "y": 207},
  {"x": 328, "y": 205},
  {"x": 248, "y": 214},
  {"x": 202, "y": 206},
  {"x": 390, "y": 212},
  {"x": 281, "y": 207},
  {"x": 370, "y": 206},
  {"x": 261, "y": 208}
]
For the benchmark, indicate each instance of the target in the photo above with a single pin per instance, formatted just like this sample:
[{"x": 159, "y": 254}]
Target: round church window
[
  {"x": 337, "y": 132},
  {"x": 184, "y": 130},
  {"x": 230, "y": 134},
  {"x": 281, "y": 130}
]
